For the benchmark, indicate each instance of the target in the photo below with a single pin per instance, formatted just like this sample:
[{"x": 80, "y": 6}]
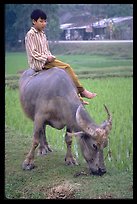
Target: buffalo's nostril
[
  {"x": 95, "y": 173},
  {"x": 99, "y": 172},
  {"x": 102, "y": 171}
]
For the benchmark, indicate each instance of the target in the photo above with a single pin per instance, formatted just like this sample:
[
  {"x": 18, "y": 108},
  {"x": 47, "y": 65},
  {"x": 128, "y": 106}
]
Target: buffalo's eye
[{"x": 95, "y": 146}]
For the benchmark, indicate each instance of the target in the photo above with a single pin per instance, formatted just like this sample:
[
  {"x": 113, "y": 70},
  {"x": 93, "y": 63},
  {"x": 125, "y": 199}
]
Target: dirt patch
[{"x": 63, "y": 191}]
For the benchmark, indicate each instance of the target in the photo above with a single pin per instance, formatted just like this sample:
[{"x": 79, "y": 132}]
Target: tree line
[{"x": 18, "y": 22}]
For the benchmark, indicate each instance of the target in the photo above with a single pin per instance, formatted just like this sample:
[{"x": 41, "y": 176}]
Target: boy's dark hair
[{"x": 38, "y": 14}]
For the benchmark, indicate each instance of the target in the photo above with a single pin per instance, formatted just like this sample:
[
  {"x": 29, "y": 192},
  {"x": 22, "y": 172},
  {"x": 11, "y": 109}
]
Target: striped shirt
[{"x": 37, "y": 48}]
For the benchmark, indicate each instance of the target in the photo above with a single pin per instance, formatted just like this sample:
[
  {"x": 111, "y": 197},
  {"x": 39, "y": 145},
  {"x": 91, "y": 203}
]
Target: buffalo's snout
[{"x": 98, "y": 172}]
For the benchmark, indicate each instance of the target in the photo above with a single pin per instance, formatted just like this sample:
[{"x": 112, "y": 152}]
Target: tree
[
  {"x": 18, "y": 22},
  {"x": 109, "y": 10}
]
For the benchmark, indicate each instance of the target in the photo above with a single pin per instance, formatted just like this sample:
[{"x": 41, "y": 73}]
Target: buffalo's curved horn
[
  {"x": 84, "y": 122},
  {"x": 107, "y": 124}
]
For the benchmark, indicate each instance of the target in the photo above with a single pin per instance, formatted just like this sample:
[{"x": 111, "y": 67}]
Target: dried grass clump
[{"x": 64, "y": 191}]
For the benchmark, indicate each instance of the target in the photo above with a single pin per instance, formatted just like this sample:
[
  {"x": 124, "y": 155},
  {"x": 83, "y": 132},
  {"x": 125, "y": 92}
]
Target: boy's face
[{"x": 40, "y": 24}]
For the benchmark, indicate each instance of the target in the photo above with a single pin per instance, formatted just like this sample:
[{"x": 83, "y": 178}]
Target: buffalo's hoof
[
  {"x": 49, "y": 149},
  {"x": 44, "y": 150},
  {"x": 41, "y": 152},
  {"x": 71, "y": 161},
  {"x": 27, "y": 166}
]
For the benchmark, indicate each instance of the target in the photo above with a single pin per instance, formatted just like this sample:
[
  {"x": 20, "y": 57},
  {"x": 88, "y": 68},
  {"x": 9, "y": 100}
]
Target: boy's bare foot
[
  {"x": 82, "y": 100},
  {"x": 88, "y": 94}
]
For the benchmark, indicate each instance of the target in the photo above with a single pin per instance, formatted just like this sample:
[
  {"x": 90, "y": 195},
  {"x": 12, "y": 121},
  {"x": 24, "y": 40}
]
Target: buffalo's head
[{"x": 93, "y": 139}]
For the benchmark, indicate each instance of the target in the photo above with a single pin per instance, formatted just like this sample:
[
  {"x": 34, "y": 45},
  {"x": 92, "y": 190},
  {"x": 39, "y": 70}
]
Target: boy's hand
[{"x": 51, "y": 58}]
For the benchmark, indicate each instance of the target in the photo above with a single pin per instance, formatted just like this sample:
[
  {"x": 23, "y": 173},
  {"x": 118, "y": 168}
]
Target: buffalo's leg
[
  {"x": 44, "y": 147},
  {"x": 28, "y": 163},
  {"x": 69, "y": 159}
]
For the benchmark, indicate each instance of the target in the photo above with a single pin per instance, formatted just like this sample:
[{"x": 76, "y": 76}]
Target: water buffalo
[{"x": 50, "y": 97}]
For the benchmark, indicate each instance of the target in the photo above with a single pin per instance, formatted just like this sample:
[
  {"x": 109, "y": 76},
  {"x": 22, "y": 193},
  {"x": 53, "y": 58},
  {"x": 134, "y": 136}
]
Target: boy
[{"x": 40, "y": 57}]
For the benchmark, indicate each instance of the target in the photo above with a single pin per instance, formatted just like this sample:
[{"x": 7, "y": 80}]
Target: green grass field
[
  {"x": 83, "y": 65},
  {"x": 111, "y": 78}
]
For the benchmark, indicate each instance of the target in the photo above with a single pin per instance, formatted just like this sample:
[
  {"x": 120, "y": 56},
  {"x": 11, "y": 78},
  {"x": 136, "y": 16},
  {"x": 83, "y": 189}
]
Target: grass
[
  {"x": 51, "y": 172},
  {"x": 82, "y": 57},
  {"x": 122, "y": 50},
  {"x": 15, "y": 62},
  {"x": 90, "y": 65},
  {"x": 95, "y": 61}
]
